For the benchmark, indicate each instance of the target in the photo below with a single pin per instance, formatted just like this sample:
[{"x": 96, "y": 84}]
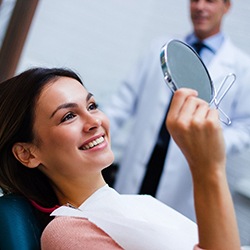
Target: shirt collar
[{"x": 214, "y": 42}]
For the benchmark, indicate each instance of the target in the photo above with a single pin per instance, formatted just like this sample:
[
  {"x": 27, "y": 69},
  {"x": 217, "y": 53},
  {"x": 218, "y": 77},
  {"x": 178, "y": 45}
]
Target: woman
[{"x": 54, "y": 143}]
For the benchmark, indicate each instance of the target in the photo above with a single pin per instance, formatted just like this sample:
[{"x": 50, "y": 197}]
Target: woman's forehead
[
  {"x": 64, "y": 89},
  {"x": 64, "y": 85}
]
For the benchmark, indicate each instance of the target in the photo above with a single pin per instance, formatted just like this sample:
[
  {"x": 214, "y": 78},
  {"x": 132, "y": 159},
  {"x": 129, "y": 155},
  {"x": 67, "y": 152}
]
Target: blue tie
[{"x": 199, "y": 46}]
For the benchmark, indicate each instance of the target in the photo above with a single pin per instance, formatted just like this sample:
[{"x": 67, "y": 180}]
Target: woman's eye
[
  {"x": 68, "y": 117},
  {"x": 93, "y": 106}
]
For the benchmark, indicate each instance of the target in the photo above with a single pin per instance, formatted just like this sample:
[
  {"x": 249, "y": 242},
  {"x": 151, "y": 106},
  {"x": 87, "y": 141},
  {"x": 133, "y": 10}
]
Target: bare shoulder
[{"x": 75, "y": 233}]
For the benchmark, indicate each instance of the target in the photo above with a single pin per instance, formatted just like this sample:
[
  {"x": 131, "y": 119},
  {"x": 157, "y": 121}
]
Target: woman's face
[{"x": 73, "y": 134}]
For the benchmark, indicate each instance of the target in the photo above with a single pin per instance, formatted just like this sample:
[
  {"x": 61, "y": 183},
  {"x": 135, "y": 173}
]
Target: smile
[{"x": 93, "y": 143}]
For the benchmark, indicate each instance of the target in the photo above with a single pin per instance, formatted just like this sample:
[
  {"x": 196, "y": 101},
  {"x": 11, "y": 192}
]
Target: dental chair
[{"x": 19, "y": 227}]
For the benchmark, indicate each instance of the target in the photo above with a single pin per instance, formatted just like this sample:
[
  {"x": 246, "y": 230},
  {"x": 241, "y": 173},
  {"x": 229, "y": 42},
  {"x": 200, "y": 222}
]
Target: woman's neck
[{"x": 75, "y": 192}]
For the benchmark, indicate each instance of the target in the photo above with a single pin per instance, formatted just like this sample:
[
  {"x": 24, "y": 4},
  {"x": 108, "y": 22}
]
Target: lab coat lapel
[{"x": 222, "y": 62}]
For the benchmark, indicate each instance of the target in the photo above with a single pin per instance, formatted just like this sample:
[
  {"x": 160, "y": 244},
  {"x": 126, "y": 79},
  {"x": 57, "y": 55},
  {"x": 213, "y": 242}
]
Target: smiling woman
[{"x": 54, "y": 144}]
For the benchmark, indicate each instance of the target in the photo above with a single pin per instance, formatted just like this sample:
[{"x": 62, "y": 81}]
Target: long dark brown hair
[{"x": 18, "y": 97}]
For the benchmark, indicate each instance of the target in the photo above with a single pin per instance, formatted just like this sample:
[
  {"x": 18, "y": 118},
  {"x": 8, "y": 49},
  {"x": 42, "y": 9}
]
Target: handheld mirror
[{"x": 182, "y": 67}]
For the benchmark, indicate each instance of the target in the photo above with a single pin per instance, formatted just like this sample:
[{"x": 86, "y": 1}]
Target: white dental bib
[{"x": 136, "y": 221}]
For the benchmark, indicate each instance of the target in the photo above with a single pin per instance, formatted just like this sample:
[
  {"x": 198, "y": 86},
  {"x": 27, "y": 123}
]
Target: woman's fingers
[
  {"x": 196, "y": 130},
  {"x": 179, "y": 98},
  {"x": 185, "y": 108}
]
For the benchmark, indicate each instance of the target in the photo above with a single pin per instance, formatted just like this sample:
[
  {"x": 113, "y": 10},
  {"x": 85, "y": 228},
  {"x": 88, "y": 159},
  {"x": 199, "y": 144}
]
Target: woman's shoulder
[{"x": 75, "y": 233}]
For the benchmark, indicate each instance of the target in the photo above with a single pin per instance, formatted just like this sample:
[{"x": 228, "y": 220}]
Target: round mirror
[{"x": 182, "y": 67}]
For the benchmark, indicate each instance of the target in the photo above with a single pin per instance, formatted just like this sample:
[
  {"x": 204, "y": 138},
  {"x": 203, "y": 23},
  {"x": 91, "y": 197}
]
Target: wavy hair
[{"x": 18, "y": 97}]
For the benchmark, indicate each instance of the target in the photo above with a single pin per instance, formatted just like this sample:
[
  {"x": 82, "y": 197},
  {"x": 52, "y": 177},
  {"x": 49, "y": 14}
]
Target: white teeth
[{"x": 93, "y": 143}]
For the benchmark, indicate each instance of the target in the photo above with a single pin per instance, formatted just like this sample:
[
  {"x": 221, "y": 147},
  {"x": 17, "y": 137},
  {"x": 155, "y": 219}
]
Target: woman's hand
[{"x": 196, "y": 129}]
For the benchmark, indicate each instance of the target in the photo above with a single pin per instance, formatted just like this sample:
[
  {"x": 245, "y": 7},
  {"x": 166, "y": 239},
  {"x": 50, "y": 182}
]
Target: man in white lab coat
[{"x": 144, "y": 97}]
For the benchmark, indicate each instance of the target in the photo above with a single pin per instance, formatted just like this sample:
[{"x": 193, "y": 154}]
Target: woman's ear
[{"x": 23, "y": 153}]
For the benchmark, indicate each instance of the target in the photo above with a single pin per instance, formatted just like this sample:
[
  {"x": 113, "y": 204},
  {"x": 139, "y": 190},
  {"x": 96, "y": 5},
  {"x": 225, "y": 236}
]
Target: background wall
[{"x": 102, "y": 40}]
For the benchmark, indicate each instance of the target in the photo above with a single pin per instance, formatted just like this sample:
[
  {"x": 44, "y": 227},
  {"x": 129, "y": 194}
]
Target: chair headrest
[{"x": 19, "y": 227}]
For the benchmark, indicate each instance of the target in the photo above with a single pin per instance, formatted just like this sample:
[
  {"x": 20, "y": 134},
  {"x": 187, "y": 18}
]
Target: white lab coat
[{"x": 145, "y": 96}]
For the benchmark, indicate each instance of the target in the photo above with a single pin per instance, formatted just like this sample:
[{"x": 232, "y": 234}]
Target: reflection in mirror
[{"x": 183, "y": 68}]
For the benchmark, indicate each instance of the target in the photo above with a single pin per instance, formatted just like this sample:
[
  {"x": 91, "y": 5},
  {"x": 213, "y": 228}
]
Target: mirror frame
[{"x": 167, "y": 70}]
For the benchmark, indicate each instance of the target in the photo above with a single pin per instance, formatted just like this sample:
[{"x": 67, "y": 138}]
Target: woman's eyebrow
[
  {"x": 69, "y": 105},
  {"x": 64, "y": 106},
  {"x": 89, "y": 96}
]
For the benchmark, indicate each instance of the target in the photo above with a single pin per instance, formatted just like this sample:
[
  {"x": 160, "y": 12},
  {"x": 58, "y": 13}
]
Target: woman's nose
[{"x": 92, "y": 122}]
